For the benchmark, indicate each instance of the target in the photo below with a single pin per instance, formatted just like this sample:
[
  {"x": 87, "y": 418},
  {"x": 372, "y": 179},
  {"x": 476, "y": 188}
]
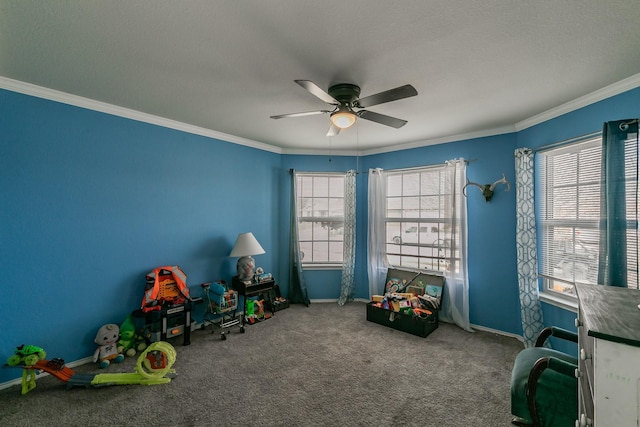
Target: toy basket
[
  {"x": 221, "y": 306},
  {"x": 222, "y": 300}
]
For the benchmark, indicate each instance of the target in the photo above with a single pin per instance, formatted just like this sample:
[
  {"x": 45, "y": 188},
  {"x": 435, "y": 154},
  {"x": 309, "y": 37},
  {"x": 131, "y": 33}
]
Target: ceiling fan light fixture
[{"x": 343, "y": 119}]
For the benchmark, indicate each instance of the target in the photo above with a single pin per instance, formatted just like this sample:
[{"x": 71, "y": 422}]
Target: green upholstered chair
[{"x": 544, "y": 389}]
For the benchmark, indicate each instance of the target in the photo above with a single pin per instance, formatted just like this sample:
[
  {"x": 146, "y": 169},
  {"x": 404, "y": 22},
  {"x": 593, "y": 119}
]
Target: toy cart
[{"x": 221, "y": 307}]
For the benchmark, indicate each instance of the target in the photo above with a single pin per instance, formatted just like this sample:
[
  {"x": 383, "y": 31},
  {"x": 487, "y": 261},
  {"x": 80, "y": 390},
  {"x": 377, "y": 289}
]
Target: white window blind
[{"x": 569, "y": 214}]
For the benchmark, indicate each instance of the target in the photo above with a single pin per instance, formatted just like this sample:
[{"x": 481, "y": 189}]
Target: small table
[{"x": 252, "y": 289}]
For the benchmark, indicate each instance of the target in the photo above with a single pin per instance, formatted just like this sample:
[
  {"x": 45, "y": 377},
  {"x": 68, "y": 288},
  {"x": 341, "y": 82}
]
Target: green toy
[
  {"x": 130, "y": 342},
  {"x": 27, "y": 355},
  {"x": 250, "y": 308}
]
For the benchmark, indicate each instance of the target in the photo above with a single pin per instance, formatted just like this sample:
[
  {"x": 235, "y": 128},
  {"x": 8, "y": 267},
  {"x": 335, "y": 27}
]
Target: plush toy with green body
[{"x": 130, "y": 342}]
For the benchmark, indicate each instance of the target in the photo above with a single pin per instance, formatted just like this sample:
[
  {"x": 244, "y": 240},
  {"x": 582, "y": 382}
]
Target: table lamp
[{"x": 246, "y": 245}]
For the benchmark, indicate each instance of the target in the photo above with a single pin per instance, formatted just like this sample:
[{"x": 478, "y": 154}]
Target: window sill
[
  {"x": 564, "y": 303},
  {"x": 322, "y": 267}
]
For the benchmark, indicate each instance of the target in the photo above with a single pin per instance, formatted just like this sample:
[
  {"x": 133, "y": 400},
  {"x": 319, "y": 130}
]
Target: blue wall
[
  {"x": 493, "y": 284},
  {"x": 92, "y": 202},
  {"x": 492, "y": 269},
  {"x": 321, "y": 284},
  {"x": 580, "y": 122}
]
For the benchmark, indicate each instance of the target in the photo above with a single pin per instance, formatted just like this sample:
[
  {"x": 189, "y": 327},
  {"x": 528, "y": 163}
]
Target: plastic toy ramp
[
  {"x": 59, "y": 371},
  {"x": 53, "y": 367},
  {"x": 153, "y": 367},
  {"x": 103, "y": 380}
]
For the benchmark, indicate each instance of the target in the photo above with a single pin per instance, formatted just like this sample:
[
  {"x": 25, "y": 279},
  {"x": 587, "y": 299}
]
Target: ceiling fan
[{"x": 344, "y": 98}]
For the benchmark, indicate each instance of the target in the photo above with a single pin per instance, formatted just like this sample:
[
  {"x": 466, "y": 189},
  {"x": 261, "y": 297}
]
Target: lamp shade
[
  {"x": 246, "y": 245},
  {"x": 343, "y": 119}
]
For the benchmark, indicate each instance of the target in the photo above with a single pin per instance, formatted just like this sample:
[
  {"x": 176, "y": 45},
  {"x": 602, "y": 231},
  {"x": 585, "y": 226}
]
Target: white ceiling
[{"x": 480, "y": 67}]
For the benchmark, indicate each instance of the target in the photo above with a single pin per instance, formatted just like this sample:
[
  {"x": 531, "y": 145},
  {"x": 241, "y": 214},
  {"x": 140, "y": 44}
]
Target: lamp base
[{"x": 245, "y": 268}]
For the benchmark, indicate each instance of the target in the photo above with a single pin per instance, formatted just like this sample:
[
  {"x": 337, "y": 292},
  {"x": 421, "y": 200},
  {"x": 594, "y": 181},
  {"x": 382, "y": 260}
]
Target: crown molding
[
  {"x": 78, "y": 101},
  {"x": 103, "y": 107},
  {"x": 596, "y": 96},
  {"x": 416, "y": 144},
  {"x": 309, "y": 152},
  {"x": 453, "y": 138}
]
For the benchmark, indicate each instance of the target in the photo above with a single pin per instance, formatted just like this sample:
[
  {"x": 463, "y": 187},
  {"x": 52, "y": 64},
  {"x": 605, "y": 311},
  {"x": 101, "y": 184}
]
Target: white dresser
[{"x": 609, "y": 360}]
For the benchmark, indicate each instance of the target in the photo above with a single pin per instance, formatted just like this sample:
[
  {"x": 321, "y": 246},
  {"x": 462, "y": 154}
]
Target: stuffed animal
[
  {"x": 107, "y": 340},
  {"x": 130, "y": 342}
]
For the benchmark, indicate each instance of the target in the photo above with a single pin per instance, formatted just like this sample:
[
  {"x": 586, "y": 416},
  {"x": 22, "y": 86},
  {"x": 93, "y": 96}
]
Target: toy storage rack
[{"x": 221, "y": 308}]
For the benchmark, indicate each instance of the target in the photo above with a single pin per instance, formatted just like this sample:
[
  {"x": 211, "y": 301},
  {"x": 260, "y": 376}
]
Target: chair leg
[{"x": 520, "y": 422}]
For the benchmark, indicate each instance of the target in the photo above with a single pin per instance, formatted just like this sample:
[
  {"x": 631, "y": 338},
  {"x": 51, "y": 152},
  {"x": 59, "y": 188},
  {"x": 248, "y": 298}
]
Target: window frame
[
  {"x": 436, "y": 237},
  {"x": 333, "y": 219},
  {"x": 551, "y": 286}
]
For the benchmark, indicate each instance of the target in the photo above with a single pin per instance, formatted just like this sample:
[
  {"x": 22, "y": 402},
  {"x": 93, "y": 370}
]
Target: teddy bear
[
  {"x": 130, "y": 342},
  {"x": 107, "y": 340}
]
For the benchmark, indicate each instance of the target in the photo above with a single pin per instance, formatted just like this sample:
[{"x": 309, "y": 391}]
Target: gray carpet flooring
[{"x": 322, "y": 365}]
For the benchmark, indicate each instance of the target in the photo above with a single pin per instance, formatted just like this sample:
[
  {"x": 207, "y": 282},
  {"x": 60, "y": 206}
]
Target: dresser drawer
[{"x": 609, "y": 343}]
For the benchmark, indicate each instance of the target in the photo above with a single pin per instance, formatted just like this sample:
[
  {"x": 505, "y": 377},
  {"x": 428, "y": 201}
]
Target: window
[
  {"x": 320, "y": 205},
  {"x": 417, "y": 226},
  {"x": 569, "y": 215}
]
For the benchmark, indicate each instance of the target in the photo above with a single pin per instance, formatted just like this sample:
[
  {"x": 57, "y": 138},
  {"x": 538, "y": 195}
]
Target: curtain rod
[
  {"x": 624, "y": 126},
  {"x": 321, "y": 172},
  {"x": 567, "y": 141},
  {"x": 366, "y": 172},
  {"x": 423, "y": 167}
]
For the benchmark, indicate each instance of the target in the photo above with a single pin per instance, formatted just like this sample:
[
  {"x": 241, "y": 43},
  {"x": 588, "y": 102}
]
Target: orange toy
[{"x": 422, "y": 312}]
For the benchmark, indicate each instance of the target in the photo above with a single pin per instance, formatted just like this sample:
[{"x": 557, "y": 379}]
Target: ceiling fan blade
[
  {"x": 315, "y": 90},
  {"x": 307, "y": 113},
  {"x": 401, "y": 92},
  {"x": 381, "y": 118},
  {"x": 333, "y": 130}
]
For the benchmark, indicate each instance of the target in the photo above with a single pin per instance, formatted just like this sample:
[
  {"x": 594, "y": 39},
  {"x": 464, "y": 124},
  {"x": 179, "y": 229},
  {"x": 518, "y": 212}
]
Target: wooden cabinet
[{"x": 609, "y": 360}]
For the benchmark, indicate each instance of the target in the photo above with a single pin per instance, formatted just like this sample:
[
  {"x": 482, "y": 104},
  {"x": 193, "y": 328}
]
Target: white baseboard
[
  {"x": 495, "y": 331},
  {"x": 478, "y": 327}
]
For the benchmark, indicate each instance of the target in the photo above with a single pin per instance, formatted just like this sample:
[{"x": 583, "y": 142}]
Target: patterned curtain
[
  {"x": 349, "y": 248},
  {"x": 297, "y": 285},
  {"x": 530, "y": 309}
]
